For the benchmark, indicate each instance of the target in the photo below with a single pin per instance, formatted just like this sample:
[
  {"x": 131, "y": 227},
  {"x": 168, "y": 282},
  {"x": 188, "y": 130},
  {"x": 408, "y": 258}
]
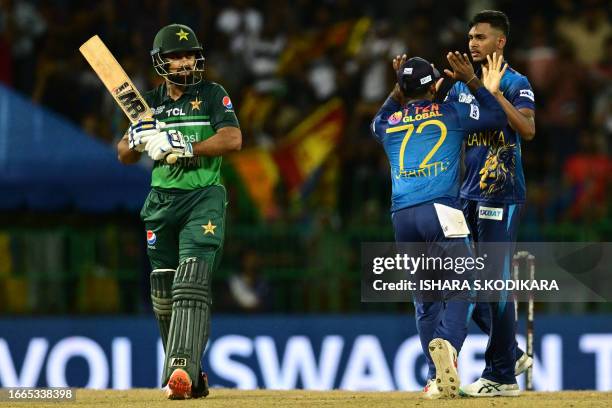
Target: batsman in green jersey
[{"x": 184, "y": 214}]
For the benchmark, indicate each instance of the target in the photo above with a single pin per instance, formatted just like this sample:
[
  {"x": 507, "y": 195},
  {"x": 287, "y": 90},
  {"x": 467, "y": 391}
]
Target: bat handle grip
[{"x": 171, "y": 158}]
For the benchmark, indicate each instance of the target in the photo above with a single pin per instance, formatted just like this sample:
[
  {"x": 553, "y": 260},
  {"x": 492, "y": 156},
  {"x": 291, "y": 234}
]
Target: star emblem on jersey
[
  {"x": 195, "y": 104},
  {"x": 182, "y": 35},
  {"x": 209, "y": 228}
]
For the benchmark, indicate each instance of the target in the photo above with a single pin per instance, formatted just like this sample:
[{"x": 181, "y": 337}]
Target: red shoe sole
[{"x": 179, "y": 385}]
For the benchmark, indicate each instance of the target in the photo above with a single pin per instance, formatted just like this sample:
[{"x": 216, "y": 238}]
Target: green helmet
[{"x": 175, "y": 38}]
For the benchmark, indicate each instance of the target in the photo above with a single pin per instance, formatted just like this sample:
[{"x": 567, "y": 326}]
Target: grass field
[{"x": 141, "y": 398}]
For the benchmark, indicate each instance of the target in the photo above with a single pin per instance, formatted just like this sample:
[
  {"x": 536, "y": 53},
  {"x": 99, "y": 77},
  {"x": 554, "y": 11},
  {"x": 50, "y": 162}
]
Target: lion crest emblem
[{"x": 498, "y": 168}]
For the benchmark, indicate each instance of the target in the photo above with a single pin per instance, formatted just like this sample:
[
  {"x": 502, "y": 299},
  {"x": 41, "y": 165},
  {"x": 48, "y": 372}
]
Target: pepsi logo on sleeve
[{"x": 227, "y": 102}]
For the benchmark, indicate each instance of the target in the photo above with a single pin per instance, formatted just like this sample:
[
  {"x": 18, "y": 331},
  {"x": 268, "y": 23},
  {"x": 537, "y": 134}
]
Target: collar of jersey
[{"x": 189, "y": 90}]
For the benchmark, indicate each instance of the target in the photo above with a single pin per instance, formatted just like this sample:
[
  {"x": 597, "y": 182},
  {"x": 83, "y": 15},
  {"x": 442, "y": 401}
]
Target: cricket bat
[{"x": 117, "y": 82}]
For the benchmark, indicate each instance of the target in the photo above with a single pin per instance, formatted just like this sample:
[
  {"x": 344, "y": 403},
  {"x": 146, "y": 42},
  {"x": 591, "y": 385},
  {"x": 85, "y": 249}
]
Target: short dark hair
[{"x": 497, "y": 19}]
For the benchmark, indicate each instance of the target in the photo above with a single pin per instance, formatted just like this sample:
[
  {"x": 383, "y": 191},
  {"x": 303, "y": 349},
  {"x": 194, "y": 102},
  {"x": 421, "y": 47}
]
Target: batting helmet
[{"x": 177, "y": 38}]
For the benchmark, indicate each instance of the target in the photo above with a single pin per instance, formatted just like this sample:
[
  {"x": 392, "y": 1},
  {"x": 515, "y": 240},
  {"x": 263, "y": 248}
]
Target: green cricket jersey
[{"x": 203, "y": 109}]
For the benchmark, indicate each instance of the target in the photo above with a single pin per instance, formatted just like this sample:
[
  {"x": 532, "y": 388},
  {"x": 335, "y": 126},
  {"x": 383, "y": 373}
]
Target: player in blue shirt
[
  {"x": 422, "y": 140},
  {"x": 493, "y": 193}
]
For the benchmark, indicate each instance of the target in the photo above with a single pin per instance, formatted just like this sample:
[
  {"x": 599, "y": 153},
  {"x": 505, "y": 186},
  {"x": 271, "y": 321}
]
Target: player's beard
[
  {"x": 180, "y": 79},
  {"x": 185, "y": 77}
]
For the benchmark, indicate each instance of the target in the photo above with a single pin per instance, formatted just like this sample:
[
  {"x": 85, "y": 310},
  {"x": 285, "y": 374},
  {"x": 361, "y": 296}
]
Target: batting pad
[
  {"x": 161, "y": 298},
  {"x": 190, "y": 323}
]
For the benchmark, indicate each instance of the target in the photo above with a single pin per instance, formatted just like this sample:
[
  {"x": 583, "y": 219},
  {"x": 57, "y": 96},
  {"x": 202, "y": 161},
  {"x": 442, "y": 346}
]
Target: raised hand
[
  {"x": 398, "y": 61},
  {"x": 439, "y": 81},
  {"x": 491, "y": 76},
  {"x": 396, "y": 93},
  {"x": 461, "y": 65}
]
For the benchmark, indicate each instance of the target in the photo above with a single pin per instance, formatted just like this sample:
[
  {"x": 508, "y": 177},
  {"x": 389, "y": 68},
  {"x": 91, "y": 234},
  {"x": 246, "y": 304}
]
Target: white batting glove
[
  {"x": 170, "y": 141},
  {"x": 140, "y": 132}
]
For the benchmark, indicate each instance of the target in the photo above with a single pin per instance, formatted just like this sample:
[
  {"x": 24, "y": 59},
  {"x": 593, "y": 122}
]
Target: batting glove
[
  {"x": 140, "y": 132},
  {"x": 170, "y": 141}
]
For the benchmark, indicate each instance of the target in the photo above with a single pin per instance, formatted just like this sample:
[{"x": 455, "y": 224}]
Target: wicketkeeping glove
[
  {"x": 140, "y": 132},
  {"x": 166, "y": 142}
]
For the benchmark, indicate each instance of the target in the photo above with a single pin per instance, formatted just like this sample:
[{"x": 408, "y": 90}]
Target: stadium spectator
[
  {"x": 249, "y": 290},
  {"x": 282, "y": 61},
  {"x": 588, "y": 32},
  {"x": 22, "y": 26},
  {"x": 587, "y": 174}
]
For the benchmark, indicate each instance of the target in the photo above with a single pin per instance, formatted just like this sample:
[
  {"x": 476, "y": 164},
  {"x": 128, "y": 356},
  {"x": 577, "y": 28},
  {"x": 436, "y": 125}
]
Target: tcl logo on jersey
[
  {"x": 489, "y": 213},
  {"x": 227, "y": 102},
  {"x": 175, "y": 112},
  {"x": 151, "y": 237}
]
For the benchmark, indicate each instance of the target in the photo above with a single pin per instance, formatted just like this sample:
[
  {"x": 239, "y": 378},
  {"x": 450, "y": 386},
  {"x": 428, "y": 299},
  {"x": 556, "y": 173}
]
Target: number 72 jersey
[{"x": 422, "y": 141}]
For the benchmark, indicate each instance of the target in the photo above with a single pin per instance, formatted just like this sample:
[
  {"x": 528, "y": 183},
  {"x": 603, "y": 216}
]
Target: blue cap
[{"x": 416, "y": 74}]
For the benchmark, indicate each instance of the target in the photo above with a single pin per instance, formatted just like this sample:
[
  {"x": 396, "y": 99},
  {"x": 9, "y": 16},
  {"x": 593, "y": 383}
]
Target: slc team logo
[
  {"x": 227, "y": 102},
  {"x": 395, "y": 118},
  {"x": 498, "y": 169},
  {"x": 151, "y": 237}
]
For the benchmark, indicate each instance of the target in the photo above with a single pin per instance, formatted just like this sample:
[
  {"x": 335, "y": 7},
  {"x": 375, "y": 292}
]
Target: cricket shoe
[
  {"x": 487, "y": 388},
  {"x": 522, "y": 364},
  {"x": 431, "y": 391},
  {"x": 179, "y": 385},
  {"x": 444, "y": 357},
  {"x": 201, "y": 388}
]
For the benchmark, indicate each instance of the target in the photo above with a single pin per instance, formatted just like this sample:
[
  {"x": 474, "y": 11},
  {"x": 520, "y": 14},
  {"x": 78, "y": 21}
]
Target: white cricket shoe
[
  {"x": 444, "y": 357},
  {"x": 431, "y": 391},
  {"x": 487, "y": 388},
  {"x": 522, "y": 364}
]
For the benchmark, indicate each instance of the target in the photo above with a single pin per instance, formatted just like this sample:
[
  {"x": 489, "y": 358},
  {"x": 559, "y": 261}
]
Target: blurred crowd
[{"x": 280, "y": 60}]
